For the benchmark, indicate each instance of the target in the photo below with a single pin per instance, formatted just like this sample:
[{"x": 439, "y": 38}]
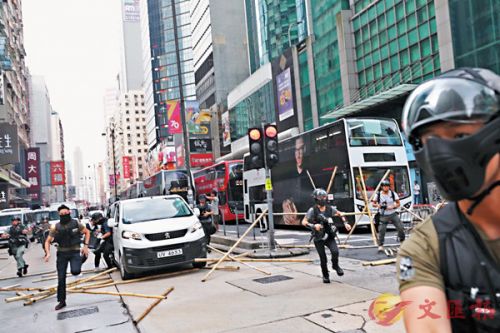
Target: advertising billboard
[
  {"x": 226, "y": 132},
  {"x": 9, "y": 144},
  {"x": 174, "y": 117},
  {"x": 126, "y": 167},
  {"x": 57, "y": 173},
  {"x": 131, "y": 11},
  {"x": 284, "y": 91},
  {"x": 285, "y": 95},
  {"x": 198, "y": 121},
  {"x": 33, "y": 173},
  {"x": 201, "y": 160},
  {"x": 200, "y": 145}
]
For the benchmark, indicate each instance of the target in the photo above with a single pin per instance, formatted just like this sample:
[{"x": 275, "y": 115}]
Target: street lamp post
[
  {"x": 290, "y": 29},
  {"x": 112, "y": 132}
]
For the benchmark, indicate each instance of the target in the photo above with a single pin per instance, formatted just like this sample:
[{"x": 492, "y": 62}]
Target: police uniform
[
  {"x": 325, "y": 237},
  {"x": 68, "y": 236},
  {"x": 105, "y": 247},
  {"x": 17, "y": 245}
]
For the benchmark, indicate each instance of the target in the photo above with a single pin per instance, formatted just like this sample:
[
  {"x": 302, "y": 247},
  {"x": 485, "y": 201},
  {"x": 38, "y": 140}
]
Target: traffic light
[
  {"x": 271, "y": 145},
  {"x": 256, "y": 142}
]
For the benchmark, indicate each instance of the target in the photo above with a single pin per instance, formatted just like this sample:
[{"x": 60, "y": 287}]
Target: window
[
  {"x": 126, "y": 104},
  {"x": 136, "y": 111},
  {"x": 139, "y": 158},
  {"x": 138, "y": 135},
  {"x": 137, "y": 127},
  {"x": 128, "y": 127},
  {"x": 127, "y": 112},
  {"x": 139, "y": 150},
  {"x": 130, "y": 151},
  {"x": 138, "y": 143}
]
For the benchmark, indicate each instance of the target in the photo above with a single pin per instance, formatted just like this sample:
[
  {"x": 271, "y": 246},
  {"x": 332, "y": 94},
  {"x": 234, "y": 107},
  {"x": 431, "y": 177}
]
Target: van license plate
[{"x": 169, "y": 253}]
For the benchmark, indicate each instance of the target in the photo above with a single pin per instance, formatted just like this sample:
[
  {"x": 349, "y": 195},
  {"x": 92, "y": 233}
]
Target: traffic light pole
[{"x": 270, "y": 214}]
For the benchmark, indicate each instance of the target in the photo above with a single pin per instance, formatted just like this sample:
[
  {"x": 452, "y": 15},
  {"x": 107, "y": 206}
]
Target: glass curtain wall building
[
  {"x": 395, "y": 42},
  {"x": 163, "y": 58},
  {"x": 475, "y": 26}
]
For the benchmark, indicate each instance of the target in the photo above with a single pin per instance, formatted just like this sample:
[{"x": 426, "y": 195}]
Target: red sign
[
  {"x": 33, "y": 169},
  {"x": 180, "y": 156},
  {"x": 126, "y": 167},
  {"x": 57, "y": 173},
  {"x": 201, "y": 160},
  {"x": 111, "y": 180},
  {"x": 174, "y": 117}
]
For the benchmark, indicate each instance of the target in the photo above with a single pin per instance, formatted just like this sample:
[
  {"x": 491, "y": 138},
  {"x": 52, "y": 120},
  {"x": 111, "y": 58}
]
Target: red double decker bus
[{"x": 227, "y": 178}]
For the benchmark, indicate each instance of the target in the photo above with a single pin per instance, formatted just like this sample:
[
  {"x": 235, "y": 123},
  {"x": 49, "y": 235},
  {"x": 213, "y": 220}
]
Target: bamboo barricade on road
[
  {"x": 255, "y": 260},
  {"x": 225, "y": 268},
  {"x": 240, "y": 261},
  {"x": 114, "y": 293},
  {"x": 379, "y": 262},
  {"x": 152, "y": 306},
  {"x": 145, "y": 278},
  {"x": 347, "y": 246},
  {"x": 235, "y": 245}
]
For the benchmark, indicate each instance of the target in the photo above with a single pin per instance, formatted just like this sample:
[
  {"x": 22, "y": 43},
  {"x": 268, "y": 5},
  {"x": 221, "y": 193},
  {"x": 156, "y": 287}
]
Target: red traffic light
[
  {"x": 271, "y": 131},
  {"x": 254, "y": 134}
]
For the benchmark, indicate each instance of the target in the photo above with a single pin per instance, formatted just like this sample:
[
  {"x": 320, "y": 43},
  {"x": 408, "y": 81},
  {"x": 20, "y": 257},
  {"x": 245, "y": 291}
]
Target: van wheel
[{"x": 123, "y": 272}]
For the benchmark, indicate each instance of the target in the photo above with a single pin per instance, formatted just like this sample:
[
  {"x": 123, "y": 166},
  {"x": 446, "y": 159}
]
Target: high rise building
[
  {"x": 79, "y": 173},
  {"x": 131, "y": 74},
  {"x": 130, "y": 145},
  {"x": 163, "y": 49},
  {"x": 219, "y": 55}
]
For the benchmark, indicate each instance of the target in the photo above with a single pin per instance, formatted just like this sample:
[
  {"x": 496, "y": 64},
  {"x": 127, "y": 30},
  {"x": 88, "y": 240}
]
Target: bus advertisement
[
  {"x": 227, "y": 178},
  {"x": 307, "y": 161}
]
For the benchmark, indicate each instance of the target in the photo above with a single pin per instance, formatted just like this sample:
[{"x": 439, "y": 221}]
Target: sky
[{"x": 75, "y": 45}]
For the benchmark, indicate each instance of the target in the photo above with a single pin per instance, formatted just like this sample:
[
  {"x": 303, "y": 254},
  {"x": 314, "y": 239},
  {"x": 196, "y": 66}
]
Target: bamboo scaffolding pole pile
[
  {"x": 255, "y": 260},
  {"x": 152, "y": 306},
  {"x": 240, "y": 261},
  {"x": 379, "y": 262}
]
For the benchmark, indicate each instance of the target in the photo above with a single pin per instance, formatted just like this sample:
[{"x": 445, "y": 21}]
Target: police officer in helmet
[
  {"x": 67, "y": 233},
  {"x": 450, "y": 266},
  {"x": 319, "y": 219},
  {"x": 105, "y": 246}
]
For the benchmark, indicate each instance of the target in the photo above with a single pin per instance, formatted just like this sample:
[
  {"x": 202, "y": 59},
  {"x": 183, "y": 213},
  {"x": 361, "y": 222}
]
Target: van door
[{"x": 116, "y": 231}]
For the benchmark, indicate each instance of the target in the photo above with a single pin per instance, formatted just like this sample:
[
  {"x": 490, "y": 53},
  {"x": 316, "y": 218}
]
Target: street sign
[
  {"x": 4, "y": 195},
  {"x": 9, "y": 144}
]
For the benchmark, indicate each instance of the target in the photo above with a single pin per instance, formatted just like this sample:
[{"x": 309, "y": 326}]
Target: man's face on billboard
[{"x": 299, "y": 151}]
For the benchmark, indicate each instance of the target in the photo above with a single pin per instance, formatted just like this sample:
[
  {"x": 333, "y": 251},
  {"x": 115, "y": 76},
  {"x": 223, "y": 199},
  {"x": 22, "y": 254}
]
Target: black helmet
[
  {"x": 96, "y": 217},
  {"x": 202, "y": 197},
  {"x": 320, "y": 196},
  {"x": 465, "y": 96},
  {"x": 385, "y": 182}
]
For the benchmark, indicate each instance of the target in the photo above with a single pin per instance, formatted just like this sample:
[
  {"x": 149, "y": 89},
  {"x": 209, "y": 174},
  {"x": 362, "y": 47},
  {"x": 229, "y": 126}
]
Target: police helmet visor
[{"x": 450, "y": 99}]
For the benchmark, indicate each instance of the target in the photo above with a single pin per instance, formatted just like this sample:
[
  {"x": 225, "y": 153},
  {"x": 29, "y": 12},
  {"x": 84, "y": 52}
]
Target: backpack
[{"x": 392, "y": 195}]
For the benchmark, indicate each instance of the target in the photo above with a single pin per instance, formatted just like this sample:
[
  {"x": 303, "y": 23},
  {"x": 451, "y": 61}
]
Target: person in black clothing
[
  {"x": 319, "y": 219},
  {"x": 18, "y": 241},
  {"x": 452, "y": 260},
  {"x": 67, "y": 233},
  {"x": 105, "y": 247},
  {"x": 205, "y": 217}
]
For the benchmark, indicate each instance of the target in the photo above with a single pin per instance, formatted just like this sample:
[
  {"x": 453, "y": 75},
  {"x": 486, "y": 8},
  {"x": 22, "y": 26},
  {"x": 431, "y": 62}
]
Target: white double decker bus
[{"x": 308, "y": 160}]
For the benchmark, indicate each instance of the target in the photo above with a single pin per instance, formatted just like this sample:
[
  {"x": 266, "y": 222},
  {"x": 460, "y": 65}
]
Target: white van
[
  {"x": 155, "y": 232},
  {"x": 6, "y": 217}
]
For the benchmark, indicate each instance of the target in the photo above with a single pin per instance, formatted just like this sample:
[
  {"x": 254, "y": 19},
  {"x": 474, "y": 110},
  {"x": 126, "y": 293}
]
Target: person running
[{"x": 18, "y": 241}]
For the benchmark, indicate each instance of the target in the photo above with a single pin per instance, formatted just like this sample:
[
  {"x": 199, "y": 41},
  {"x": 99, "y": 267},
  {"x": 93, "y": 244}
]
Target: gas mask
[{"x": 65, "y": 218}]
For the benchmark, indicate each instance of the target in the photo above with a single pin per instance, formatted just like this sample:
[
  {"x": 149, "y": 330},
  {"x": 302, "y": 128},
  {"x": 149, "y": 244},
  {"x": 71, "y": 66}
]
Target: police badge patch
[{"x": 406, "y": 270}]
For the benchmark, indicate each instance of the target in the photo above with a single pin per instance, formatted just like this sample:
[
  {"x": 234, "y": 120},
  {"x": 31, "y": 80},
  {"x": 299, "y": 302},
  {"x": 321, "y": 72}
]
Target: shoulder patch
[{"x": 406, "y": 270}]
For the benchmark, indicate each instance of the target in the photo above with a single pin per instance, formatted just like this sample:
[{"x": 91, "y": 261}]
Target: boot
[
  {"x": 20, "y": 272},
  {"x": 339, "y": 270},
  {"x": 25, "y": 269},
  {"x": 60, "y": 305},
  {"x": 326, "y": 279}
]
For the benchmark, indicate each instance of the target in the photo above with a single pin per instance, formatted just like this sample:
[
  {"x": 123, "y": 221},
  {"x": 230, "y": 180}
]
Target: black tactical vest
[
  {"x": 471, "y": 275},
  {"x": 68, "y": 235}
]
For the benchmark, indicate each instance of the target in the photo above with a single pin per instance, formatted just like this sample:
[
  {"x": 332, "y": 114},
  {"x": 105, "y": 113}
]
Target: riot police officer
[
  {"x": 205, "y": 217},
  {"x": 319, "y": 219},
  {"x": 67, "y": 233},
  {"x": 105, "y": 247},
  {"x": 451, "y": 262},
  {"x": 18, "y": 241}
]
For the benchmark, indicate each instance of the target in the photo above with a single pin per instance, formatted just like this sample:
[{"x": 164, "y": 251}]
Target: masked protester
[
  {"x": 206, "y": 217},
  {"x": 67, "y": 233},
  {"x": 18, "y": 241},
  {"x": 319, "y": 219},
  {"x": 451, "y": 263},
  {"x": 105, "y": 247}
]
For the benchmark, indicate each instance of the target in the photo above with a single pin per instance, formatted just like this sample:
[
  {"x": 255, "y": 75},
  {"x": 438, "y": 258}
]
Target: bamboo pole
[
  {"x": 244, "y": 254},
  {"x": 152, "y": 306},
  {"x": 22, "y": 289},
  {"x": 85, "y": 280},
  {"x": 354, "y": 226},
  {"x": 234, "y": 245},
  {"x": 146, "y": 278},
  {"x": 348, "y": 246},
  {"x": 11, "y": 286},
  {"x": 225, "y": 268},
  {"x": 379, "y": 262},
  {"x": 310, "y": 178},
  {"x": 54, "y": 278},
  {"x": 254, "y": 260},
  {"x": 331, "y": 180},
  {"x": 36, "y": 299},
  {"x": 412, "y": 213},
  {"x": 114, "y": 294},
  {"x": 290, "y": 246},
  {"x": 86, "y": 271},
  {"x": 27, "y": 296},
  {"x": 240, "y": 261}
]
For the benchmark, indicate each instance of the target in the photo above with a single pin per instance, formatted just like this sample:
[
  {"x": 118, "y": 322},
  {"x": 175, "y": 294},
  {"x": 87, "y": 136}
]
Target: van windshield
[
  {"x": 5, "y": 220},
  {"x": 154, "y": 209},
  {"x": 54, "y": 215}
]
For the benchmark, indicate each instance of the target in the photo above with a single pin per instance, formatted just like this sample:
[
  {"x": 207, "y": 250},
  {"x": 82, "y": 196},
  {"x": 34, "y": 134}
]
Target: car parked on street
[
  {"x": 6, "y": 217},
  {"x": 150, "y": 233}
]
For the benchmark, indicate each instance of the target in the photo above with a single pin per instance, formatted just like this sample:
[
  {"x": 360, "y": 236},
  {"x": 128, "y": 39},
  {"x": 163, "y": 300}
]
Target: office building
[{"x": 131, "y": 74}]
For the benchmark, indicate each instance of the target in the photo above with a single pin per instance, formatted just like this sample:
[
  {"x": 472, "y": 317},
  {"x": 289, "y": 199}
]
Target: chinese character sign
[
  {"x": 126, "y": 167},
  {"x": 9, "y": 144},
  {"x": 4, "y": 195},
  {"x": 57, "y": 173},
  {"x": 33, "y": 172},
  {"x": 174, "y": 117}
]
